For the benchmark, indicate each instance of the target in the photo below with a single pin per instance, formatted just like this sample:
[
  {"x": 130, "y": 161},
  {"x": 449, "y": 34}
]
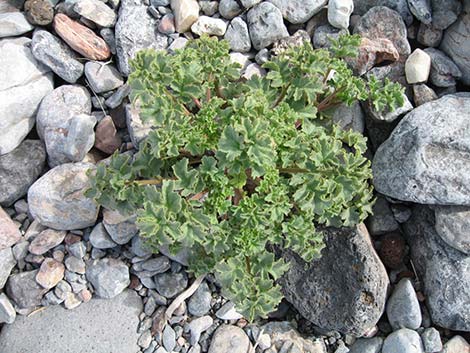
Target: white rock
[
  {"x": 253, "y": 69},
  {"x": 339, "y": 12},
  {"x": 417, "y": 67},
  {"x": 13, "y": 24},
  {"x": 210, "y": 26},
  {"x": 7, "y": 311},
  {"x": 228, "y": 312},
  {"x": 186, "y": 13},
  {"x": 96, "y": 11}
]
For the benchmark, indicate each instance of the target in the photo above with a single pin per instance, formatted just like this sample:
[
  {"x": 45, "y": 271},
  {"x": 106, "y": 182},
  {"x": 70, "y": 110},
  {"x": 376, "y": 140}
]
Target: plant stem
[
  {"x": 173, "y": 98},
  {"x": 248, "y": 264},
  {"x": 151, "y": 181},
  {"x": 329, "y": 101},
  {"x": 218, "y": 89},
  {"x": 281, "y": 96},
  {"x": 293, "y": 170}
]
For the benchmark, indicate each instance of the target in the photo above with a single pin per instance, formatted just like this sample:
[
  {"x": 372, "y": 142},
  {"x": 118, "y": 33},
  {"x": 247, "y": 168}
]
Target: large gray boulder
[
  {"x": 99, "y": 326},
  {"x": 345, "y": 289},
  {"x": 426, "y": 160},
  {"x": 443, "y": 271},
  {"x": 453, "y": 226}
]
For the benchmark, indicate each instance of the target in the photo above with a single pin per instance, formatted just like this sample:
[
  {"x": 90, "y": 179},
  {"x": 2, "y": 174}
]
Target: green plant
[{"x": 235, "y": 166}]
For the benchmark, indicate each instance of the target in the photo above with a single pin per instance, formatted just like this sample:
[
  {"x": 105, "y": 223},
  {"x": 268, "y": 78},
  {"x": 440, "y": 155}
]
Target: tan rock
[
  {"x": 186, "y": 13},
  {"x": 418, "y": 67},
  {"x": 373, "y": 52},
  {"x": 46, "y": 240},
  {"x": 9, "y": 232},
  {"x": 106, "y": 137},
  {"x": 80, "y": 38},
  {"x": 50, "y": 273}
]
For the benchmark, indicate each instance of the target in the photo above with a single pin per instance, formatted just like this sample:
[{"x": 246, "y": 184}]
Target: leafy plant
[{"x": 234, "y": 166}]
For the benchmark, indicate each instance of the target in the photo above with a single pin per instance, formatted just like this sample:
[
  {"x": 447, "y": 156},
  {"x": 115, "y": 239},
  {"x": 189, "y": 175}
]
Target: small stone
[
  {"x": 39, "y": 12},
  {"x": 109, "y": 277},
  {"x": 46, "y": 240},
  {"x": 200, "y": 302},
  {"x": 444, "y": 72},
  {"x": 229, "y": 339},
  {"x": 50, "y": 273},
  {"x": 96, "y": 11},
  {"x": 23, "y": 289},
  {"x": 339, "y": 12},
  {"x": 264, "y": 341},
  {"x": 403, "y": 341},
  {"x": 158, "y": 264},
  {"x": 120, "y": 228},
  {"x": 107, "y": 139},
  {"x": 209, "y": 26},
  {"x": 265, "y": 25},
  {"x": 102, "y": 77},
  {"x": 209, "y": 7},
  {"x": 403, "y": 309},
  {"x": 77, "y": 249},
  {"x": 167, "y": 24},
  {"x": 118, "y": 96},
  {"x": 229, "y": 9},
  {"x": 417, "y": 67},
  {"x": 75, "y": 264},
  {"x": 298, "y": 39},
  {"x": 9, "y": 232},
  {"x": 51, "y": 299},
  {"x": 382, "y": 220},
  {"x": 422, "y": 10},
  {"x": 323, "y": 36},
  {"x": 71, "y": 301},
  {"x": 392, "y": 250},
  {"x": 145, "y": 339},
  {"x": 228, "y": 312},
  {"x": 452, "y": 224},
  {"x": 139, "y": 248},
  {"x": 186, "y": 13},
  {"x": 170, "y": 284},
  {"x": 197, "y": 327},
  {"x": 7, "y": 263},
  {"x": 61, "y": 290},
  {"x": 444, "y": 13},
  {"x": 423, "y": 94},
  {"x": 237, "y": 36},
  {"x": 7, "y": 311},
  {"x": 169, "y": 338},
  {"x": 108, "y": 36},
  {"x": 373, "y": 52},
  {"x": 299, "y": 11},
  {"x": 13, "y": 24},
  {"x": 456, "y": 345},
  {"x": 253, "y": 69},
  {"x": 80, "y": 138},
  {"x": 429, "y": 36},
  {"x": 367, "y": 345},
  {"x": 431, "y": 340},
  {"x": 84, "y": 295}
]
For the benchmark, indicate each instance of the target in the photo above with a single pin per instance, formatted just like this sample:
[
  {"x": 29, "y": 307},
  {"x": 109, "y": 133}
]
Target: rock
[
  {"x": 403, "y": 341},
  {"x": 181, "y": 256},
  {"x": 318, "y": 288},
  {"x": 403, "y": 307},
  {"x": 444, "y": 13},
  {"x": 170, "y": 284},
  {"x": 80, "y": 38},
  {"x": 7, "y": 311},
  {"x": 75, "y": 264},
  {"x": 138, "y": 130},
  {"x": 453, "y": 226},
  {"x": 115, "y": 100},
  {"x": 392, "y": 250},
  {"x": 158, "y": 264},
  {"x": 228, "y": 312},
  {"x": 241, "y": 59},
  {"x": 145, "y": 339},
  {"x": 298, "y": 11},
  {"x": 339, "y": 12},
  {"x": 9, "y": 232},
  {"x": 382, "y": 22},
  {"x": 19, "y": 169},
  {"x": 388, "y": 115},
  {"x": 80, "y": 138},
  {"x": 456, "y": 345},
  {"x": 109, "y": 277},
  {"x": 367, "y": 345},
  {"x": 382, "y": 220},
  {"x": 417, "y": 67},
  {"x": 253, "y": 69},
  {"x": 102, "y": 77},
  {"x": 265, "y": 25},
  {"x": 349, "y": 117},
  {"x": 167, "y": 24},
  {"x": 169, "y": 338},
  {"x": 23, "y": 289},
  {"x": 134, "y": 31},
  {"x": 431, "y": 340},
  {"x": 112, "y": 321},
  {"x": 444, "y": 72},
  {"x": 209, "y": 8},
  {"x": 200, "y": 302},
  {"x": 23, "y": 83},
  {"x": 197, "y": 327},
  {"x": 429, "y": 36},
  {"x": 13, "y": 24},
  {"x": 45, "y": 241},
  {"x": 372, "y": 52},
  {"x": 100, "y": 238},
  {"x": 298, "y": 39},
  {"x": 283, "y": 333},
  {"x": 229, "y": 339},
  {"x": 237, "y": 36},
  {"x": 7, "y": 263},
  {"x": 39, "y": 12},
  {"x": 422, "y": 10},
  {"x": 455, "y": 44},
  {"x": 229, "y": 9},
  {"x": 120, "y": 228},
  {"x": 442, "y": 270},
  {"x": 400, "y": 6},
  {"x": 323, "y": 36},
  {"x": 71, "y": 301},
  {"x": 57, "y": 199},
  {"x": 96, "y": 11},
  {"x": 186, "y": 13},
  {"x": 209, "y": 26},
  {"x": 408, "y": 165},
  {"x": 423, "y": 94},
  {"x": 139, "y": 247},
  {"x": 50, "y": 273}
]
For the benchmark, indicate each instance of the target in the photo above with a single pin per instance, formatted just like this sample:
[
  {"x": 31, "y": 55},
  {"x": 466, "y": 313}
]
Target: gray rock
[
  {"x": 445, "y": 12},
  {"x": 108, "y": 36},
  {"x": 210, "y": 26},
  {"x": 444, "y": 72},
  {"x": 120, "y": 228},
  {"x": 339, "y": 12},
  {"x": 111, "y": 321},
  {"x": 197, "y": 327},
  {"x": 96, "y": 11},
  {"x": 14, "y": 24},
  {"x": 57, "y": 199},
  {"x": 118, "y": 96},
  {"x": 423, "y": 94},
  {"x": 382, "y": 220},
  {"x": 400, "y": 6},
  {"x": 23, "y": 84},
  {"x": 45, "y": 241},
  {"x": 80, "y": 138},
  {"x": 229, "y": 8},
  {"x": 7, "y": 263},
  {"x": 169, "y": 338},
  {"x": 431, "y": 340},
  {"x": 109, "y": 277},
  {"x": 138, "y": 129},
  {"x": 237, "y": 36},
  {"x": 19, "y": 169},
  {"x": 403, "y": 341},
  {"x": 421, "y": 9},
  {"x": 367, "y": 345},
  {"x": 403, "y": 309},
  {"x": 429, "y": 36},
  {"x": 100, "y": 238},
  {"x": 229, "y": 339},
  {"x": 55, "y": 54},
  {"x": 135, "y": 30},
  {"x": 444, "y": 272},
  {"x": 421, "y": 161},
  {"x": 7, "y": 311},
  {"x": 317, "y": 289},
  {"x": 23, "y": 289},
  {"x": 299, "y": 11},
  {"x": 457, "y": 344},
  {"x": 228, "y": 312},
  {"x": 145, "y": 339},
  {"x": 265, "y": 25},
  {"x": 102, "y": 77},
  {"x": 170, "y": 284},
  {"x": 209, "y": 7},
  {"x": 158, "y": 264},
  {"x": 453, "y": 226},
  {"x": 139, "y": 248},
  {"x": 323, "y": 35},
  {"x": 200, "y": 302},
  {"x": 181, "y": 257},
  {"x": 74, "y": 264}
]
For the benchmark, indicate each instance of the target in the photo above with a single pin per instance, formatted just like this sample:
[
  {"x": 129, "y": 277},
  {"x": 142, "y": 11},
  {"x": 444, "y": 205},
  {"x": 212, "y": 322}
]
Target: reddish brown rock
[
  {"x": 373, "y": 52},
  {"x": 392, "y": 250},
  {"x": 46, "y": 240},
  {"x": 9, "y": 232},
  {"x": 80, "y": 38},
  {"x": 106, "y": 137},
  {"x": 50, "y": 273}
]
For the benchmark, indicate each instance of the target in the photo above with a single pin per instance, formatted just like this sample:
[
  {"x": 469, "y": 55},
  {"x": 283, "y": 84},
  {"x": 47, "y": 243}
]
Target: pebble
[
  {"x": 145, "y": 339},
  {"x": 7, "y": 311},
  {"x": 422, "y": 10},
  {"x": 367, "y": 345},
  {"x": 209, "y": 7},
  {"x": 339, "y": 12},
  {"x": 417, "y": 67},
  {"x": 14, "y": 24},
  {"x": 229, "y": 9},
  {"x": 139, "y": 248},
  {"x": 431, "y": 340},
  {"x": 109, "y": 277},
  {"x": 237, "y": 36},
  {"x": 167, "y": 24},
  {"x": 158, "y": 264},
  {"x": 429, "y": 36},
  {"x": 120, "y": 228},
  {"x": 229, "y": 339},
  {"x": 71, "y": 301},
  {"x": 186, "y": 13},
  {"x": 118, "y": 96},
  {"x": 197, "y": 327},
  {"x": 206, "y": 25},
  {"x": 46, "y": 240},
  {"x": 96, "y": 11},
  {"x": 169, "y": 338},
  {"x": 107, "y": 139},
  {"x": 75, "y": 264},
  {"x": 102, "y": 77},
  {"x": 299, "y": 11},
  {"x": 325, "y": 34},
  {"x": 23, "y": 289},
  {"x": 9, "y": 232},
  {"x": 61, "y": 289},
  {"x": 7, "y": 263},
  {"x": 456, "y": 345},
  {"x": 382, "y": 221},
  {"x": 170, "y": 284},
  {"x": 228, "y": 312},
  {"x": 77, "y": 249},
  {"x": 50, "y": 273},
  {"x": 20, "y": 250},
  {"x": 39, "y": 12},
  {"x": 403, "y": 341},
  {"x": 423, "y": 94},
  {"x": 200, "y": 302},
  {"x": 403, "y": 308},
  {"x": 80, "y": 138},
  {"x": 265, "y": 25},
  {"x": 444, "y": 72}
]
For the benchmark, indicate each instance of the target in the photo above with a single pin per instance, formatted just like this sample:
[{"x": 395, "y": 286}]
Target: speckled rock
[
  {"x": 13, "y": 24},
  {"x": 109, "y": 277},
  {"x": 120, "y": 228},
  {"x": 96, "y": 11},
  {"x": 9, "y": 232},
  {"x": 339, "y": 12},
  {"x": 265, "y": 25},
  {"x": 403, "y": 309},
  {"x": 238, "y": 36},
  {"x": 45, "y": 241},
  {"x": 23, "y": 289},
  {"x": 367, "y": 345},
  {"x": 453, "y": 226},
  {"x": 229, "y": 339},
  {"x": 403, "y": 341},
  {"x": 102, "y": 77},
  {"x": 444, "y": 13},
  {"x": 39, "y": 12},
  {"x": 444, "y": 72},
  {"x": 299, "y": 11}
]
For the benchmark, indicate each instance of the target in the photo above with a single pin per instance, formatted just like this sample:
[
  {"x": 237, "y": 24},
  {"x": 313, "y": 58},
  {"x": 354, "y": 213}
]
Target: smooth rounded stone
[
  {"x": 400, "y": 6},
  {"x": 23, "y": 83},
  {"x": 382, "y": 220},
  {"x": 115, "y": 100},
  {"x": 100, "y": 238},
  {"x": 229, "y": 9},
  {"x": 367, "y": 345},
  {"x": 317, "y": 289},
  {"x": 431, "y": 340},
  {"x": 71, "y": 301},
  {"x": 456, "y": 345},
  {"x": 23, "y": 289},
  {"x": 169, "y": 338},
  {"x": 9, "y": 232},
  {"x": 423, "y": 94},
  {"x": 50, "y": 273},
  {"x": 323, "y": 36},
  {"x": 299, "y": 11},
  {"x": 209, "y": 26},
  {"x": 382, "y": 22},
  {"x": 109, "y": 277},
  {"x": 7, "y": 311},
  {"x": 19, "y": 169},
  {"x": 229, "y": 339},
  {"x": 80, "y": 138},
  {"x": 443, "y": 271},
  {"x": 111, "y": 322},
  {"x": 96, "y": 11},
  {"x": 421, "y": 9},
  {"x": 339, "y": 12},
  {"x": 453, "y": 226},
  {"x": 74, "y": 264},
  {"x": 200, "y": 302},
  {"x": 455, "y": 43},
  {"x": 134, "y": 31},
  {"x": 228, "y": 312},
  {"x": 139, "y": 247},
  {"x": 186, "y": 13},
  {"x": 403, "y": 309},
  {"x": 445, "y": 12},
  {"x": 55, "y": 54},
  {"x": 80, "y": 38},
  {"x": 403, "y": 341},
  {"x": 120, "y": 228},
  {"x": 57, "y": 199},
  {"x": 417, "y": 67},
  {"x": 420, "y": 162},
  {"x": 429, "y": 36},
  {"x": 102, "y": 77},
  {"x": 158, "y": 264},
  {"x": 145, "y": 339},
  {"x": 46, "y": 240},
  {"x": 253, "y": 69},
  {"x": 444, "y": 72},
  {"x": 182, "y": 256},
  {"x": 166, "y": 25},
  {"x": 39, "y": 12},
  {"x": 7, "y": 263},
  {"x": 265, "y": 25},
  {"x": 197, "y": 327},
  {"x": 237, "y": 36},
  {"x": 13, "y": 24},
  {"x": 209, "y": 7},
  {"x": 170, "y": 284}
]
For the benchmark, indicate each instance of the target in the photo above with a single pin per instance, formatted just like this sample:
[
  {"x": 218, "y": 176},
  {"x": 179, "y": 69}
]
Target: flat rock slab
[{"x": 99, "y": 326}]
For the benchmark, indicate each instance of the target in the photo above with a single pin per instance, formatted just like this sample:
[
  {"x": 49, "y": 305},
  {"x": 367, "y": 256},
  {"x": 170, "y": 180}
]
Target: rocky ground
[{"x": 76, "y": 278}]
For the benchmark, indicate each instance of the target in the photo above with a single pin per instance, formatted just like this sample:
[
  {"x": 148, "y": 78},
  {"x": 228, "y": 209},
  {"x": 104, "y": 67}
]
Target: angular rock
[
  {"x": 75, "y": 264},
  {"x": 7, "y": 263},
  {"x": 120, "y": 228},
  {"x": 13, "y": 24},
  {"x": 421, "y": 9},
  {"x": 39, "y": 12},
  {"x": 444, "y": 13},
  {"x": 382, "y": 220},
  {"x": 453, "y": 226},
  {"x": 444, "y": 72},
  {"x": 237, "y": 36},
  {"x": 367, "y": 345},
  {"x": 403, "y": 341},
  {"x": 170, "y": 284},
  {"x": 265, "y": 25},
  {"x": 100, "y": 238},
  {"x": 456, "y": 345},
  {"x": 7, "y": 311},
  {"x": 339, "y": 12},
  {"x": 118, "y": 96},
  {"x": 417, "y": 67},
  {"x": 57, "y": 199},
  {"x": 318, "y": 288},
  {"x": 9, "y": 232},
  {"x": 400, "y": 6},
  {"x": 55, "y": 54},
  {"x": 423, "y": 94},
  {"x": 228, "y": 312},
  {"x": 299, "y": 11},
  {"x": 50, "y": 273},
  {"x": 96, "y": 11},
  {"x": 423, "y": 160},
  {"x": 23, "y": 289},
  {"x": 431, "y": 340},
  {"x": 229, "y": 339},
  {"x": 429, "y": 36},
  {"x": 403, "y": 309},
  {"x": 109, "y": 277},
  {"x": 373, "y": 52},
  {"x": 45, "y": 241},
  {"x": 209, "y": 26},
  {"x": 186, "y": 13},
  {"x": 200, "y": 302},
  {"x": 102, "y": 77}
]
